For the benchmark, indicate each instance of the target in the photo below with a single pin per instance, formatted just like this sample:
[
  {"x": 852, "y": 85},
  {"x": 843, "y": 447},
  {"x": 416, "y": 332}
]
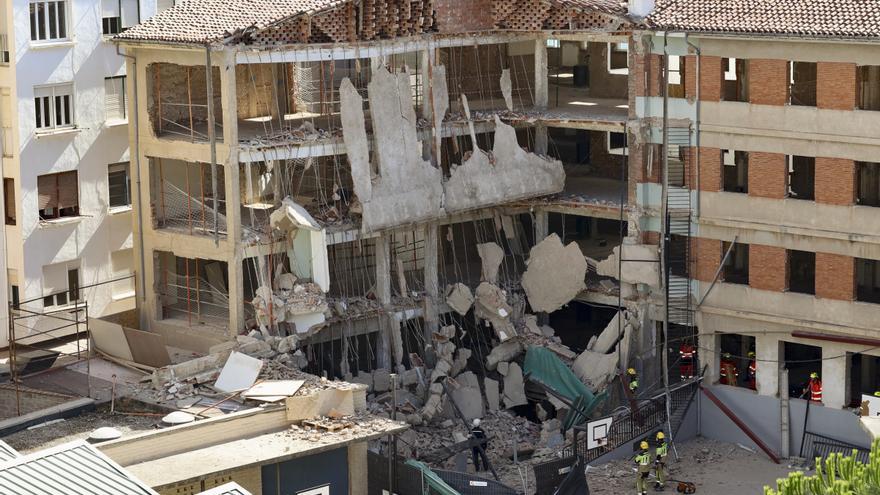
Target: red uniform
[
  {"x": 687, "y": 352},
  {"x": 729, "y": 373},
  {"x": 815, "y": 387},
  {"x": 753, "y": 368}
]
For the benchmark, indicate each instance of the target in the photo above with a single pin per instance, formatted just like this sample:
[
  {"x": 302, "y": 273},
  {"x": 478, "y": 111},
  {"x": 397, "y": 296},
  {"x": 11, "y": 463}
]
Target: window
[
  {"x": 53, "y": 106},
  {"x": 551, "y": 43},
  {"x": 118, "y": 183},
  {"x": 618, "y": 54},
  {"x": 58, "y": 195},
  {"x": 735, "y": 83},
  {"x": 801, "y": 177},
  {"x": 48, "y": 20},
  {"x": 868, "y": 187},
  {"x": 115, "y": 99},
  {"x": 868, "y": 280},
  {"x": 736, "y": 266},
  {"x": 117, "y": 15},
  {"x": 802, "y": 272},
  {"x": 61, "y": 283},
  {"x": 802, "y": 83},
  {"x": 869, "y": 87},
  {"x": 674, "y": 80},
  {"x": 16, "y": 298},
  {"x": 617, "y": 143},
  {"x": 9, "y": 200},
  {"x": 735, "y": 171}
]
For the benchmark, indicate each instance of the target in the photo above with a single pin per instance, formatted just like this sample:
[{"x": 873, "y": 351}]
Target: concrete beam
[{"x": 541, "y": 83}]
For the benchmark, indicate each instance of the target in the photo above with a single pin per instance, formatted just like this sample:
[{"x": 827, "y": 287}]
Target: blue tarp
[{"x": 544, "y": 366}]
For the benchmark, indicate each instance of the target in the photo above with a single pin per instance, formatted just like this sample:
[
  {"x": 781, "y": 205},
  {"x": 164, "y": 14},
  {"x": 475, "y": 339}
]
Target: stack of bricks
[
  {"x": 333, "y": 26},
  {"x": 560, "y": 18}
]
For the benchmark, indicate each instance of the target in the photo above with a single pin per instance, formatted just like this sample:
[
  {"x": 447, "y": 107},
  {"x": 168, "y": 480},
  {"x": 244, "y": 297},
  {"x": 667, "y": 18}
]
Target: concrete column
[
  {"x": 541, "y": 89},
  {"x": 834, "y": 376},
  {"x": 768, "y": 365},
  {"x": 541, "y": 139},
  {"x": 432, "y": 280},
  {"x": 383, "y": 293},
  {"x": 229, "y": 165},
  {"x": 140, "y": 168},
  {"x": 707, "y": 354},
  {"x": 357, "y": 468},
  {"x": 542, "y": 225}
]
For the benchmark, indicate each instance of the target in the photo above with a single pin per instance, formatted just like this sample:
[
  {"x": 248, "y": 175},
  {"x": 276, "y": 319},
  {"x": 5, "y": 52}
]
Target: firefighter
[
  {"x": 687, "y": 353},
  {"x": 643, "y": 463},
  {"x": 633, "y": 380},
  {"x": 753, "y": 368},
  {"x": 729, "y": 373},
  {"x": 660, "y": 461},
  {"x": 813, "y": 391}
]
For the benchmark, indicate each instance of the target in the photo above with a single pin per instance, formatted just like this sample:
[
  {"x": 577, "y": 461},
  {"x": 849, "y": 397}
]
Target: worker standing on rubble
[
  {"x": 814, "y": 388},
  {"x": 686, "y": 353},
  {"x": 643, "y": 463},
  {"x": 633, "y": 380},
  {"x": 729, "y": 373},
  {"x": 753, "y": 369},
  {"x": 478, "y": 453},
  {"x": 660, "y": 461}
]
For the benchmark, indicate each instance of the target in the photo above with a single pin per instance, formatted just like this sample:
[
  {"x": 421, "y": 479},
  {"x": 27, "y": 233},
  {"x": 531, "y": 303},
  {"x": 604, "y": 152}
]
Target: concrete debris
[
  {"x": 491, "y": 305},
  {"x": 492, "y": 256},
  {"x": 291, "y": 216},
  {"x": 595, "y": 369},
  {"x": 467, "y": 396},
  {"x": 531, "y": 322},
  {"x": 641, "y": 264},
  {"x": 439, "y": 103},
  {"x": 514, "y": 388},
  {"x": 504, "y": 352},
  {"x": 461, "y": 359},
  {"x": 507, "y": 89},
  {"x": 609, "y": 336},
  {"x": 286, "y": 307},
  {"x": 381, "y": 380},
  {"x": 493, "y": 394},
  {"x": 555, "y": 274},
  {"x": 459, "y": 298}
]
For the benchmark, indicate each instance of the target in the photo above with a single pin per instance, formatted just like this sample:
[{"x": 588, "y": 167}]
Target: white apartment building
[{"x": 66, "y": 180}]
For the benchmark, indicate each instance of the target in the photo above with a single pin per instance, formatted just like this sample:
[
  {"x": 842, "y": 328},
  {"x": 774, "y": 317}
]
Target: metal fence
[
  {"x": 816, "y": 445},
  {"x": 549, "y": 475}
]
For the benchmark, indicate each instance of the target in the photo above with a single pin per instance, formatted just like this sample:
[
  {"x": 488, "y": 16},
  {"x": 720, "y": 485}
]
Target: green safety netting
[
  {"x": 431, "y": 480},
  {"x": 544, "y": 366}
]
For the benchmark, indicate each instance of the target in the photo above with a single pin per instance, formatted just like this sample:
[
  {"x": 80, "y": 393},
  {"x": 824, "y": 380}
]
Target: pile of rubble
[{"x": 305, "y": 133}]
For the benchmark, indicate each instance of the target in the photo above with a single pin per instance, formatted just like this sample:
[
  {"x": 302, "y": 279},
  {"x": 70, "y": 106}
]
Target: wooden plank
[{"x": 147, "y": 347}]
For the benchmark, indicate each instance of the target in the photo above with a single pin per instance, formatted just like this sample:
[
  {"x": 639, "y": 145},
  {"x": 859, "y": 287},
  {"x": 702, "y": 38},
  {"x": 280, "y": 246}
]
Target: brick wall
[
  {"x": 707, "y": 256},
  {"x": 836, "y": 86},
  {"x": 835, "y": 276},
  {"x": 710, "y": 169},
  {"x": 31, "y": 400},
  {"x": 835, "y": 181},
  {"x": 768, "y": 82},
  {"x": 768, "y": 267},
  {"x": 452, "y": 16},
  {"x": 767, "y": 175},
  {"x": 711, "y": 77},
  {"x": 641, "y": 67}
]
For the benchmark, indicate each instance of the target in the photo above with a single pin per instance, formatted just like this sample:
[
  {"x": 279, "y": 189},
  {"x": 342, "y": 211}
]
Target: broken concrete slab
[
  {"x": 554, "y": 274},
  {"x": 503, "y": 368},
  {"x": 531, "y": 323},
  {"x": 291, "y": 216},
  {"x": 508, "y": 173},
  {"x": 239, "y": 373},
  {"x": 381, "y": 380},
  {"x": 408, "y": 189},
  {"x": 459, "y": 298},
  {"x": 439, "y": 104},
  {"x": 461, "y": 358},
  {"x": 609, "y": 336},
  {"x": 596, "y": 370},
  {"x": 467, "y": 395},
  {"x": 644, "y": 267},
  {"x": 492, "y": 255},
  {"x": 507, "y": 89},
  {"x": 491, "y": 305},
  {"x": 493, "y": 394},
  {"x": 503, "y": 352},
  {"x": 514, "y": 388}
]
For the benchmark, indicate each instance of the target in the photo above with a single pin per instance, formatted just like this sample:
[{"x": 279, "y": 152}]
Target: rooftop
[{"x": 800, "y": 18}]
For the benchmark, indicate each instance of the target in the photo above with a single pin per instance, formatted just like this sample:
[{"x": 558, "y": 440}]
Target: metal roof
[
  {"x": 75, "y": 468},
  {"x": 6, "y": 452},
  {"x": 231, "y": 488}
]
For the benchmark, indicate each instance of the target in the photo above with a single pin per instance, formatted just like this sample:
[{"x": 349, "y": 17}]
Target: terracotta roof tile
[{"x": 808, "y": 18}]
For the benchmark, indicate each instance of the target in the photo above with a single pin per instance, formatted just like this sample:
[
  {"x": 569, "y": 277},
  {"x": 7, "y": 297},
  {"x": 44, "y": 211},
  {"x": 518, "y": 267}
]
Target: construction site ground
[{"x": 717, "y": 468}]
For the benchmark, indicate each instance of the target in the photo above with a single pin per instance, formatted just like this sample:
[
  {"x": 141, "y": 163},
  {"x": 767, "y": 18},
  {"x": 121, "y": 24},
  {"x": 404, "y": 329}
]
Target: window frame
[
  {"x": 123, "y": 100},
  {"x": 740, "y": 252},
  {"x": 790, "y": 171},
  {"x": 58, "y": 213},
  {"x": 41, "y": 114},
  {"x": 809, "y": 287},
  {"x": 614, "y": 47},
  {"x": 862, "y": 290},
  {"x": 69, "y": 295},
  {"x": 113, "y": 25},
  {"x": 624, "y": 151},
  {"x": 860, "y": 179},
  {"x": 121, "y": 167},
  {"x": 739, "y": 158},
  {"x": 62, "y": 23},
  {"x": 791, "y": 85}
]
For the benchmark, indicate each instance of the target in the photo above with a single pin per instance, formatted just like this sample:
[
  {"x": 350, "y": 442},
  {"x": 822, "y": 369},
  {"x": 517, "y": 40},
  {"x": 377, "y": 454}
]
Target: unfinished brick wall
[
  {"x": 835, "y": 276},
  {"x": 453, "y": 16},
  {"x": 645, "y": 72},
  {"x": 707, "y": 256},
  {"x": 768, "y": 82},
  {"x": 602, "y": 163},
  {"x": 179, "y": 94},
  {"x": 711, "y": 77},
  {"x": 768, "y": 267},
  {"x": 835, "y": 181},
  {"x": 603, "y": 84},
  {"x": 31, "y": 400},
  {"x": 256, "y": 90},
  {"x": 836, "y": 86},
  {"x": 767, "y": 175},
  {"x": 710, "y": 169}
]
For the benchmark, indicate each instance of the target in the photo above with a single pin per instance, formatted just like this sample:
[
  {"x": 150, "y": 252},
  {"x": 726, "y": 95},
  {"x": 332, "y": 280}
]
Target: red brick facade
[
  {"x": 707, "y": 256},
  {"x": 836, "y": 86},
  {"x": 768, "y": 82},
  {"x": 835, "y": 181},
  {"x": 767, "y": 175},
  {"x": 711, "y": 77},
  {"x": 835, "y": 276},
  {"x": 768, "y": 267},
  {"x": 710, "y": 169}
]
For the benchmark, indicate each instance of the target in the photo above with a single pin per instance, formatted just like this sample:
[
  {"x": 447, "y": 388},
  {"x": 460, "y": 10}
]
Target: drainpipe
[
  {"x": 696, "y": 128},
  {"x": 209, "y": 80},
  {"x": 137, "y": 168}
]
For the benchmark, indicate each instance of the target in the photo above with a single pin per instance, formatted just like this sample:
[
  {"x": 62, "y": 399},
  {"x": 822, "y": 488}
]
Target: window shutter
[
  {"x": 129, "y": 12},
  {"x": 110, "y": 8},
  {"x": 47, "y": 191},
  {"x": 113, "y": 98},
  {"x": 54, "y": 278},
  {"x": 68, "y": 196}
]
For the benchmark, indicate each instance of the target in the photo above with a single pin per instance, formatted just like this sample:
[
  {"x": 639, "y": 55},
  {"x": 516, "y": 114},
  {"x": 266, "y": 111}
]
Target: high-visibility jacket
[
  {"x": 633, "y": 384},
  {"x": 686, "y": 351},
  {"x": 729, "y": 372},
  {"x": 643, "y": 461},
  {"x": 816, "y": 390},
  {"x": 662, "y": 451}
]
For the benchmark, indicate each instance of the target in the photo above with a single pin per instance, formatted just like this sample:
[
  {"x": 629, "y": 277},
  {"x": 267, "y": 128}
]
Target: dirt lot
[{"x": 717, "y": 468}]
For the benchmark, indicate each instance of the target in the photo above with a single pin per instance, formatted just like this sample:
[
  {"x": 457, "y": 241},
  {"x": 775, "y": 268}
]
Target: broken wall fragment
[{"x": 555, "y": 274}]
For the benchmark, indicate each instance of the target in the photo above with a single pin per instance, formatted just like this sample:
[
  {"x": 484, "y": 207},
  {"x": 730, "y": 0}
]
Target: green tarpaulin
[
  {"x": 543, "y": 365},
  {"x": 430, "y": 479}
]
